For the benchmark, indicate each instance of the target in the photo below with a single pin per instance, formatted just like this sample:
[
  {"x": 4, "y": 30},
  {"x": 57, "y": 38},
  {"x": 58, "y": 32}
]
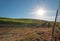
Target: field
[
  {"x": 27, "y": 30},
  {"x": 25, "y": 34}
]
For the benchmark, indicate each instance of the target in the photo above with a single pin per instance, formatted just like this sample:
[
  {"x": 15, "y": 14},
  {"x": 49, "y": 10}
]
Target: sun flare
[{"x": 40, "y": 12}]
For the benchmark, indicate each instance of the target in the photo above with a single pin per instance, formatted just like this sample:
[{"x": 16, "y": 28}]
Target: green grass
[
  {"x": 26, "y": 21},
  {"x": 21, "y": 20}
]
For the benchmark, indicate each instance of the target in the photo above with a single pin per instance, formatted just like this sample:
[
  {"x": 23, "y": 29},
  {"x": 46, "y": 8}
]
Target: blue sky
[{"x": 24, "y": 8}]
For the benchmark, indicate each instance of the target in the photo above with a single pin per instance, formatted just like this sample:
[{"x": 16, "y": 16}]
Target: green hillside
[
  {"x": 25, "y": 22},
  {"x": 21, "y": 20}
]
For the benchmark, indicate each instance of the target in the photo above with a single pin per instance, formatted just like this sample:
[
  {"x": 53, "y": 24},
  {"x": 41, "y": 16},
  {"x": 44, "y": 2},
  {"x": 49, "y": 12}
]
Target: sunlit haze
[
  {"x": 39, "y": 12},
  {"x": 33, "y": 9}
]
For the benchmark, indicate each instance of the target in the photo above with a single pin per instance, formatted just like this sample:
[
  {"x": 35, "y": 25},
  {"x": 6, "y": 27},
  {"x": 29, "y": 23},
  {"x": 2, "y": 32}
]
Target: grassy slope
[
  {"x": 20, "y": 20},
  {"x": 25, "y": 21},
  {"x": 25, "y": 34}
]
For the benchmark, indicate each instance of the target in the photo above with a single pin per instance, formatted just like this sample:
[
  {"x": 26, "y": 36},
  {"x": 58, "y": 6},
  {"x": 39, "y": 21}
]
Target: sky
[{"x": 29, "y": 9}]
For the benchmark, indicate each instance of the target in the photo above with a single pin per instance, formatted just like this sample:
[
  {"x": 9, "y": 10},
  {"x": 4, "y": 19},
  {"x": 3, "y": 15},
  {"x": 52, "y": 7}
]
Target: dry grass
[{"x": 25, "y": 34}]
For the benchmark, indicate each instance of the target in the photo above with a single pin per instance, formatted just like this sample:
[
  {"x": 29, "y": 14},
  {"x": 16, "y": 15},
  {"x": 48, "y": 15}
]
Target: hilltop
[{"x": 24, "y": 22}]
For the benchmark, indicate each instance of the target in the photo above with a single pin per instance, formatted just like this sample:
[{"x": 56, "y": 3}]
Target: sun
[{"x": 40, "y": 12}]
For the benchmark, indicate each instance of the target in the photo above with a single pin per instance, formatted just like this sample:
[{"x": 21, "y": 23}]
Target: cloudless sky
[{"x": 23, "y": 8}]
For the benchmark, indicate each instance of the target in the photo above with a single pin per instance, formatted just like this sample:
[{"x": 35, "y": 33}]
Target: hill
[
  {"x": 22, "y": 22},
  {"x": 36, "y": 33}
]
